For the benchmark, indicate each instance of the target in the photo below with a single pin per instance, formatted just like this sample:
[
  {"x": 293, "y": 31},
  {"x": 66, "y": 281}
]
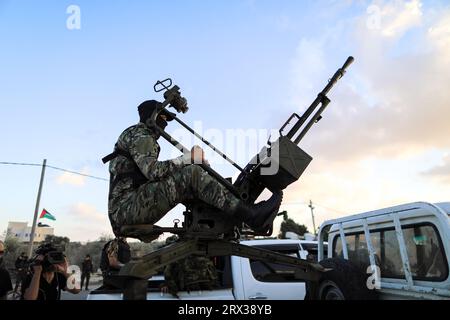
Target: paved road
[
  {"x": 69, "y": 296},
  {"x": 65, "y": 295},
  {"x": 84, "y": 293}
]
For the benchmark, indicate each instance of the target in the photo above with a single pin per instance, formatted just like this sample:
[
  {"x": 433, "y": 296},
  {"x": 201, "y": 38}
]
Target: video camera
[{"x": 53, "y": 255}]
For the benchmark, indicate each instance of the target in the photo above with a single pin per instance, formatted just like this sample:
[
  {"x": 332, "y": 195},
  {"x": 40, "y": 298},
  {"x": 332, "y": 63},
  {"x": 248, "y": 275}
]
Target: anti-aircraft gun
[{"x": 205, "y": 230}]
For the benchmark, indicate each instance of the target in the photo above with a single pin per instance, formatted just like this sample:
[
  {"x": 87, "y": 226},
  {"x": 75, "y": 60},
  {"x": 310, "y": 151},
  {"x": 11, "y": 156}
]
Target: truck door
[{"x": 264, "y": 280}]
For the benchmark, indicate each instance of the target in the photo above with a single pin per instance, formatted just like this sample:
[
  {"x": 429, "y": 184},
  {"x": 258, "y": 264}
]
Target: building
[{"x": 22, "y": 231}]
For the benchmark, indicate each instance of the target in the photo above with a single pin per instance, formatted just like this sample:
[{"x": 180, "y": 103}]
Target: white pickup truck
[
  {"x": 407, "y": 245},
  {"x": 241, "y": 278}
]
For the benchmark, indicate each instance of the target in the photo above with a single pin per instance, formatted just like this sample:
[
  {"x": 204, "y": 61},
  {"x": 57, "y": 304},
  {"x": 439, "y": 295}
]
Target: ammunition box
[{"x": 282, "y": 164}]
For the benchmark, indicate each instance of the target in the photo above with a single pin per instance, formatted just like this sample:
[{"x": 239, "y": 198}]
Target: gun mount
[{"x": 205, "y": 231}]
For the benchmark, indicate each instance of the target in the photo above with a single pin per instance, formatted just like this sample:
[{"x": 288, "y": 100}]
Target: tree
[
  {"x": 76, "y": 252},
  {"x": 13, "y": 248},
  {"x": 12, "y": 245},
  {"x": 289, "y": 225},
  {"x": 6, "y": 233},
  {"x": 105, "y": 237},
  {"x": 57, "y": 241}
]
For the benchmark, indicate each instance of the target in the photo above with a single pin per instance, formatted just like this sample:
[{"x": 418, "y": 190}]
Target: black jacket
[
  {"x": 87, "y": 267},
  {"x": 21, "y": 263}
]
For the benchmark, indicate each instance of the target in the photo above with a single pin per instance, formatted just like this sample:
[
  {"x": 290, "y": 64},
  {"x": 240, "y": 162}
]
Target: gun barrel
[
  {"x": 348, "y": 62},
  {"x": 338, "y": 75},
  {"x": 321, "y": 99}
]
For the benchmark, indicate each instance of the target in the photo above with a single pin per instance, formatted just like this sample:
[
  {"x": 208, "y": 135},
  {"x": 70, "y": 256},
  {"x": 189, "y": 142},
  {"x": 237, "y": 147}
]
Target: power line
[
  {"x": 103, "y": 179},
  {"x": 328, "y": 208},
  {"x": 54, "y": 168},
  {"x": 21, "y": 164},
  {"x": 317, "y": 204},
  {"x": 78, "y": 173}
]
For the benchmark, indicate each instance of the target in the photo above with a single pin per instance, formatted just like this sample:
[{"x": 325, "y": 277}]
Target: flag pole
[{"x": 36, "y": 210}]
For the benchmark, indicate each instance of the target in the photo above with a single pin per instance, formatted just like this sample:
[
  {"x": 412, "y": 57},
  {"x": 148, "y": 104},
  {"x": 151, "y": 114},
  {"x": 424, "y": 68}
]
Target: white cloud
[
  {"x": 388, "y": 111},
  {"x": 362, "y": 186},
  {"x": 440, "y": 172},
  {"x": 387, "y": 105},
  {"x": 397, "y": 17},
  {"x": 439, "y": 34},
  {"x": 87, "y": 213},
  {"x": 306, "y": 64},
  {"x": 72, "y": 179},
  {"x": 83, "y": 221}
]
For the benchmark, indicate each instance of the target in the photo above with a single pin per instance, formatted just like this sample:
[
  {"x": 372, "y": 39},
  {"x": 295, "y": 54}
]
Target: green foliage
[
  {"x": 105, "y": 237},
  {"x": 289, "y": 225},
  {"x": 13, "y": 248},
  {"x": 12, "y": 245},
  {"x": 57, "y": 241},
  {"x": 75, "y": 251}
]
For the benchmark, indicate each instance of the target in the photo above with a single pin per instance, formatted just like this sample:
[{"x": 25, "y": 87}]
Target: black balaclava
[{"x": 146, "y": 110}]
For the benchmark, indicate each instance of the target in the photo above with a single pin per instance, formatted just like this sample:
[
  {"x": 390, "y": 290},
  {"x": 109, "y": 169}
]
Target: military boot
[{"x": 261, "y": 214}]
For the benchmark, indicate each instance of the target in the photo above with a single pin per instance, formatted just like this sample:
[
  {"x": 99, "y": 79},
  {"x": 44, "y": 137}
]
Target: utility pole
[
  {"x": 36, "y": 210},
  {"x": 312, "y": 215}
]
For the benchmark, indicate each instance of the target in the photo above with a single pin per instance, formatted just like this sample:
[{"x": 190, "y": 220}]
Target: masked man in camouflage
[{"x": 143, "y": 189}]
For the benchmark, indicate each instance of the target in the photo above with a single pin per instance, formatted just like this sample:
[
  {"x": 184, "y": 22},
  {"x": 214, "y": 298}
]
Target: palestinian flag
[{"x": 47, "y": 215}]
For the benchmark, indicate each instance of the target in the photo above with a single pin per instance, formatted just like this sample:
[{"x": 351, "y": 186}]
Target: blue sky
[{"x": 66, "y": 95}]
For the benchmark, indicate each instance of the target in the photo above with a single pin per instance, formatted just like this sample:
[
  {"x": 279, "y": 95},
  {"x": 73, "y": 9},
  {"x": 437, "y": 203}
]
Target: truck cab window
[
  {"x": 425, "y": 253},
  {"x": 387, "y": 253},
  {"x": 338, "y": 252},
  {"x": 356, "y": 248},
  {"x": 274, "y": 272}
]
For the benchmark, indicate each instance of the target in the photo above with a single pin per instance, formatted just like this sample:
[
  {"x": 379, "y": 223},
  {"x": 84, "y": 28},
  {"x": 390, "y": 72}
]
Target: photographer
[{"x": 49, "y": 276}]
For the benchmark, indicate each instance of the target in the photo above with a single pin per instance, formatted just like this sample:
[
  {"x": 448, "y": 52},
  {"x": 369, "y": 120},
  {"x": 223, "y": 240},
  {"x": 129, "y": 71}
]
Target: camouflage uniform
[
  {"x": 169, "y": 182},
  {"x": 189, "y": 274},
  {"x": 112, "y": 248},
  {"x": 120, "y": 250}
]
